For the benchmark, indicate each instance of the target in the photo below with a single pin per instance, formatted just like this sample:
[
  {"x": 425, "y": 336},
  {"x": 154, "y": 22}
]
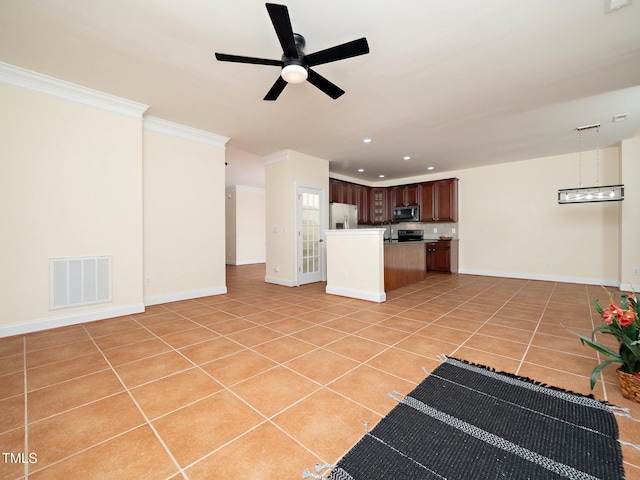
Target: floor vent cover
[{"x": 75, "y": 281}]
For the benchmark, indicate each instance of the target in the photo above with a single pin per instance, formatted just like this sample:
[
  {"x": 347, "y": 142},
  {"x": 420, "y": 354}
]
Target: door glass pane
[{"x": 310, "y": 232}]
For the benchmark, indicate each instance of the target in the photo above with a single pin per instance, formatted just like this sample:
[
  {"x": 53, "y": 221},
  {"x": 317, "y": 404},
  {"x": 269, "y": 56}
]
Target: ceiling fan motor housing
[{"x": 294, "y": 69}]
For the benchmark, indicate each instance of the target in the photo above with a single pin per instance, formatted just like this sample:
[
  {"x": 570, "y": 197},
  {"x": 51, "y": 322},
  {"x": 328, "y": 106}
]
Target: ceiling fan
[{"x": 295, "y": 64}]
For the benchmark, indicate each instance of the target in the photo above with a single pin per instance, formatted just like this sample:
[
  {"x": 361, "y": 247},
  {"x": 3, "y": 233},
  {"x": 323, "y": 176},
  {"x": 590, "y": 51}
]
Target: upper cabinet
[
  {"x": 352, "y": 194},
  {"x": 439, "y": 201},
  {"x": 405, "y": 195},
  {"x": 341, "y": 192},
  {"x": 379, "y": 201},
  {"x": 361, "y": 196}
]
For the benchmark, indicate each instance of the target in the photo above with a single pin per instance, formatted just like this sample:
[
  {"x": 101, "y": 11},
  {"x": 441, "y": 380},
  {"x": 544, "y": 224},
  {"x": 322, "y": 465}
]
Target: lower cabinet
[{"x": 442, "y": 256}]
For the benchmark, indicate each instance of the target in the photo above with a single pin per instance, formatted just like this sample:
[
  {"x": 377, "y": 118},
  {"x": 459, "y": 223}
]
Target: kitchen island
[
  {"x": 404, "y": 263},
  {"x": 355, "y": 263},
  {"x": 361, "y": 264}
]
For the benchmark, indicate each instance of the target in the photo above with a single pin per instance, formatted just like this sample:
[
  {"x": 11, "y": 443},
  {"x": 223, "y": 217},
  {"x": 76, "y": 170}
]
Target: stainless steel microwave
[{"x": 410, "y": 213}]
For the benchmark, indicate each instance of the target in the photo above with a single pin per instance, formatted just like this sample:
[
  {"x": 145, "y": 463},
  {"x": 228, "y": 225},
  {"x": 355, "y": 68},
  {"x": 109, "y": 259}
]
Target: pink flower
[
  {"x": 627, "y": 318},
  {"x": 612, "y": 313}
]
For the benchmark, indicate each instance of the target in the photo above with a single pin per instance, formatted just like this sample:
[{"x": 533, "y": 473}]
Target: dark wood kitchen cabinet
[
  {"x": 352, "y": 194},
  {"x": 361, "y": 197},
  {"x": 442, "y": 256},
  {"x": 405, "y": 195},
  {"x": 341, "y": 192},
  {"x": 439, "y": 201},
  {"x": 379, "y": 204}
]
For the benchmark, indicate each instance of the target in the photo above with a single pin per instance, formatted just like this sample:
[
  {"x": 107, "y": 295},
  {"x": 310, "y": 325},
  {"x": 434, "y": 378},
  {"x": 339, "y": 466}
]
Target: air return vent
[{"x": 75, "y": 281}]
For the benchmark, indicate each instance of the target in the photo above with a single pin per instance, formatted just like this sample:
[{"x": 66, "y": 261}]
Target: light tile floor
[{"x": 266, "y": 380}]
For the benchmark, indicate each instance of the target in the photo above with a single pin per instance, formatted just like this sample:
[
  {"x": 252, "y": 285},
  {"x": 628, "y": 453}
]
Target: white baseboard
[
  {"x": 67, "y": 320},
  {"x": 176, "y": 297},
  {"x": 533, "y": 276},
  {"x": 359, "y": 294},
  {"x": 627, "y": 287},
  {"x": 281, "y": 281},
  {"x": 245, "y": 262}
]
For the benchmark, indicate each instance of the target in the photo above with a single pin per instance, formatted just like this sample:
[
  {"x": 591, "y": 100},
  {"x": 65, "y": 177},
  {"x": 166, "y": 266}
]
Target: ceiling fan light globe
[{"x": 294, "y": 74}]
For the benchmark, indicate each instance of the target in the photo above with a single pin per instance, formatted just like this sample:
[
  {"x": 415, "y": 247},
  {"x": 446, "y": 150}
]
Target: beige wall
[
  {"x": 70, "y": 185},
  {"x": 284, "y": 171},
  {"x": 630, "y": 215},
  {"x": 245, "y": 231},
  {"x": 511, "y": 224},
  {"x": 184, "y": 215},
  {"x": 251, "y": 225}
]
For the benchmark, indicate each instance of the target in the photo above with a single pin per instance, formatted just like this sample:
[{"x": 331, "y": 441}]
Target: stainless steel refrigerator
[{"x": 342, "y": 216}]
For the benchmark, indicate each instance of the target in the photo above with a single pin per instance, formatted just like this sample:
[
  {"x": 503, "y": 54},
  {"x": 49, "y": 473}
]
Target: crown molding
[
  {"x": 36, "y": 82},
  {"x": 159, "y": 125},
  {"x": 276, "y": 157}
]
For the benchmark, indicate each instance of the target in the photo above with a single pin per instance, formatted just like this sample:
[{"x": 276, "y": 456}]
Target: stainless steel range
[{"x": 410, "y": 235}]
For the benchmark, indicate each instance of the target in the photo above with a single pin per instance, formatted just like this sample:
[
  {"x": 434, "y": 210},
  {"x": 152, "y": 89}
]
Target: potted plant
[{"x": 622, "y": 321}]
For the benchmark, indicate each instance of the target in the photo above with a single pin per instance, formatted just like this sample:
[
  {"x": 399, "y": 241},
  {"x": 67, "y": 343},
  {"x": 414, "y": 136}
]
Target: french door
[{"x": 310, "y": 252}]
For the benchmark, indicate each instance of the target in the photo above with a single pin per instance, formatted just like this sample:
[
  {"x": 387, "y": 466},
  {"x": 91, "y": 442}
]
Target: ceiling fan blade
[
  {"x": 282, "y": 24},
  {"x": 276, "y": 90},
  {"x": 223, "y": 57},
  {"x": 325, "y": 85},
  {"x": 339, "y": 52}
]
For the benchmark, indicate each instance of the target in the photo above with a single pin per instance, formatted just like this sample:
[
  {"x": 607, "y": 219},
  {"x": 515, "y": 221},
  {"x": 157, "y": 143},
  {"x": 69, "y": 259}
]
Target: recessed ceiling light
[
  {"x": 361, "y": 170},
  {"x": 614, "y": 5},
  {"x": 380, "y": 176},
  {"x": 621, "y": 117},
  {"x": 430, "y": 168},
  {"x": 367, "y": 140},
  {"x": 406, "y": 157}
]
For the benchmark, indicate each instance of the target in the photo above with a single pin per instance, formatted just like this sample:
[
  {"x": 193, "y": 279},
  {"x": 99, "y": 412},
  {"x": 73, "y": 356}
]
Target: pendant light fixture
[{"x": 597, "y": 193}]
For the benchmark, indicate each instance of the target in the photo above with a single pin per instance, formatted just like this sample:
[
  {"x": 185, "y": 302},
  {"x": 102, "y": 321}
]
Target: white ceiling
[{"x": 454, "y": 84}]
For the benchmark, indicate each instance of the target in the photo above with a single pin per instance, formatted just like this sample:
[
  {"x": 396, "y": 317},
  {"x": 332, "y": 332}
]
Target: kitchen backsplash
[{"x": 448, "y": 229}]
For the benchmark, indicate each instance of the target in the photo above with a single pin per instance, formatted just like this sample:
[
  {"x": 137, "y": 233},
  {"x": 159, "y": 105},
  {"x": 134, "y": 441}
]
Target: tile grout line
[
  {"x": 266, "y": 419},
  {"x": 492, "y": 315},
  {"x": 144, "y": 415},
  {"x": 535, "y": 330},
  {"x": 361, "y": 364},
  {"x": 26, "y": 407},
  {"x": 601, "y": 375},
  {"x": 278, "y": 364}
]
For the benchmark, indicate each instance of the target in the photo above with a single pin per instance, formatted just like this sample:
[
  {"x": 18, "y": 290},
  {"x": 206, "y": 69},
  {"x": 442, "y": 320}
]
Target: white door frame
[{"x": 322, "y": 274}]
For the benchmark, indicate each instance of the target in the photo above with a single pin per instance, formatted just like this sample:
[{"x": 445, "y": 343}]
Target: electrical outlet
[
  {"x": 636, "y": 271},
  {"x": 453, "y": 230},
  {"x": 276, "y": 268},
  {"x": 547, "y": 264},
  {"x": 147, "y": 281},
  {"x": 435, "y": 230},
  {"x": 345, "y": 275}
]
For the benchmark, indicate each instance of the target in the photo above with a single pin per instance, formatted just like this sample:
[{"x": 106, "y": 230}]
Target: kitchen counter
[{"x": 426, "y": 240}]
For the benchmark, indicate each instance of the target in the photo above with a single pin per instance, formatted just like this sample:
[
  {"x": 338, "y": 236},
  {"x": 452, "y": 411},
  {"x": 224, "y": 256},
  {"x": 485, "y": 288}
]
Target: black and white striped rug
[{"x": 469, "y": 422}]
